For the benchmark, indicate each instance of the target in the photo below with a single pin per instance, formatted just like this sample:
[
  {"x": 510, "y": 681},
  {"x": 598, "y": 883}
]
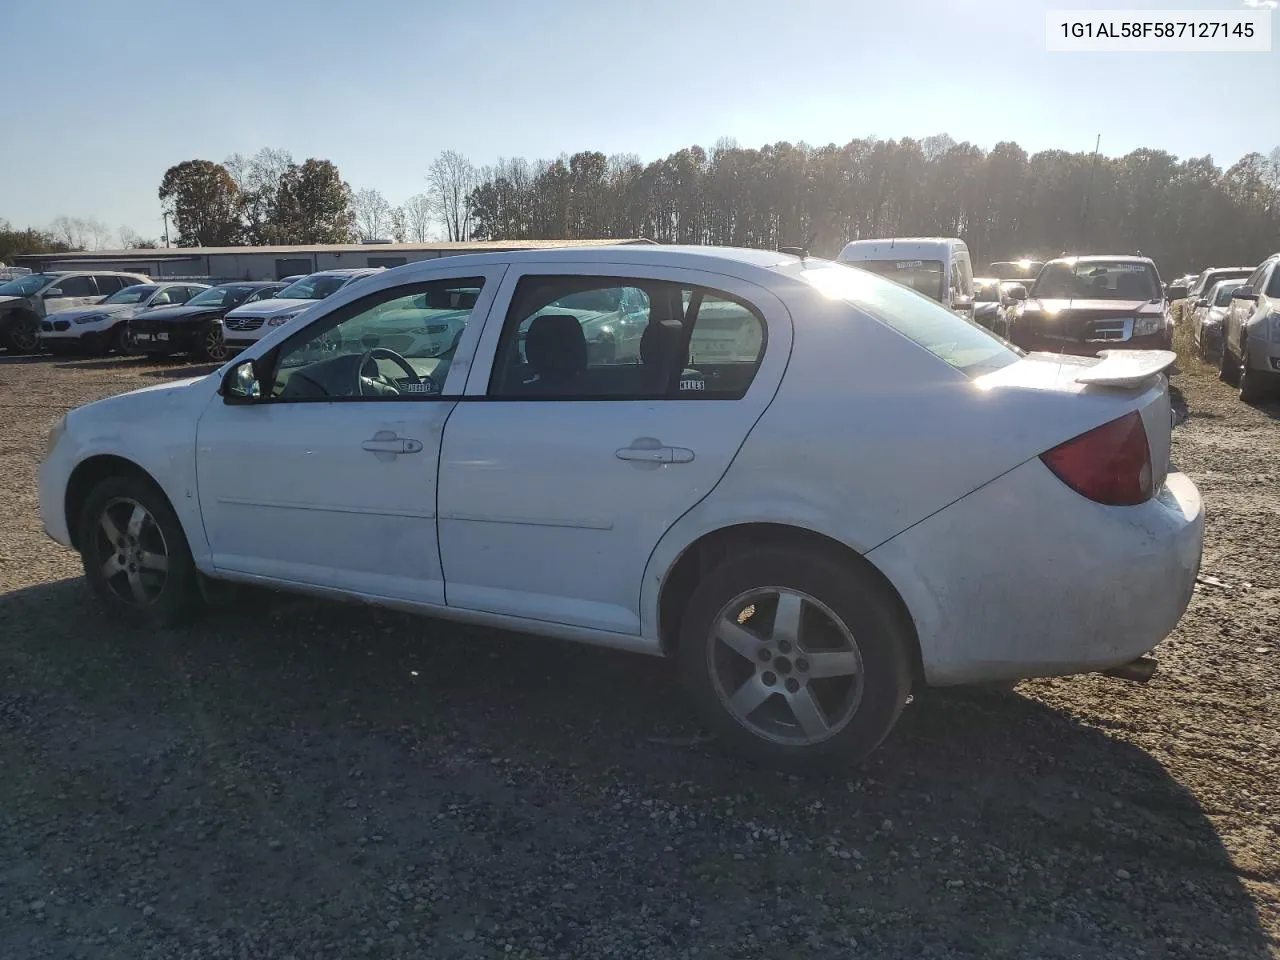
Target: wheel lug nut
[
  {"x": 793, "y": 684},
  {"x": 769, "y": 678}
]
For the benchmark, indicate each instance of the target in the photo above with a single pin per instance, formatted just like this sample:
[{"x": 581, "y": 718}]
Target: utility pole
[
  {"x": 166, "y": 229},
  {"x": 1084, "y": 219}
]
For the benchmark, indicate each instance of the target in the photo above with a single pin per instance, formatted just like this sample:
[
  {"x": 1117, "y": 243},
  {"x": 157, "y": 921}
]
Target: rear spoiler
[{"x": 1126, "y": 368}]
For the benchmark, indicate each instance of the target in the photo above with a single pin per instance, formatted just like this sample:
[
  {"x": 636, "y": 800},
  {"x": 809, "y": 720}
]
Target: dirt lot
[{"x": 297, "y": 779}]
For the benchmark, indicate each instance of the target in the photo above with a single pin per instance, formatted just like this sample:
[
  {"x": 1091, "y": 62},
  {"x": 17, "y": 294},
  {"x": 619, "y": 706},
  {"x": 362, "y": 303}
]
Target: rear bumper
[{"x": 1026, "y": 578}]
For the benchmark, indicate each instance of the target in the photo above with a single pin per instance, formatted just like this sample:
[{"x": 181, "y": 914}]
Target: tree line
[{"x": 1003, "y": 202}]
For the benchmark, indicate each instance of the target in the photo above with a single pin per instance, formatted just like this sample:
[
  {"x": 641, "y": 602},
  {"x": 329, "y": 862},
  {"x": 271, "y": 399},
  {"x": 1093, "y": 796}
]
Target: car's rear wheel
[
  {"x": 135, "y": 554},
  {"x": 211, "y": 345},
  {"x": 1228, "y": 369},
  {"x": 24, "y": 333},
  {"x": 122, "y": 340},
  {"x": 796, "y": 658}
]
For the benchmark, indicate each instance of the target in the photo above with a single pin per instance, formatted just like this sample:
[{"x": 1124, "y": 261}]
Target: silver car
[
  {"x": 25, "y": 301},
  {"x": 1251, "y": 334},
  {"x": 1207, "y": 315}
]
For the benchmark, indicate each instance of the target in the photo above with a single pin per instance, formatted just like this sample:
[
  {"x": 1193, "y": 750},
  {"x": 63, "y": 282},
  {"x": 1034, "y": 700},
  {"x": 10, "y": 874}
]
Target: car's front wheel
[
  {"x": 24, "y": 333},
  {"x": 796, "y": 658},
  {"x": 135, "y": 553}
]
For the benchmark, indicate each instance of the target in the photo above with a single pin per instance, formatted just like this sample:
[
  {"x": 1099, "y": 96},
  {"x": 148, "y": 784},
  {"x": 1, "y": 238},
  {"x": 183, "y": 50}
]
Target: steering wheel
[{"x": 382, "y": 353}]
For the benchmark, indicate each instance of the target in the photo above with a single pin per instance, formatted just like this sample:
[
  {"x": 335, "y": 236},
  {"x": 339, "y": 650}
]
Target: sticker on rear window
[
  {"x": 1130, "y": 268},
  {"x": 908, "y": 264}
]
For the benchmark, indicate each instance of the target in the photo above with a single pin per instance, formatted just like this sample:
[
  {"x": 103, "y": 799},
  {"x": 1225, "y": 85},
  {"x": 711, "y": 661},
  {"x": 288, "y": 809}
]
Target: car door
[
  {"x": 1241, "y": 310},
  {"x": 561, "y": 469},
  {"x": 329, "y": 479},
  {"x": 73, "y": 290}
]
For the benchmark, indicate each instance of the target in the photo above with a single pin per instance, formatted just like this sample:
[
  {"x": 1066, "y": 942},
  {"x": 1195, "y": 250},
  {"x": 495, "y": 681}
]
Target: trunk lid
[{"x": 1066, "y": 396}]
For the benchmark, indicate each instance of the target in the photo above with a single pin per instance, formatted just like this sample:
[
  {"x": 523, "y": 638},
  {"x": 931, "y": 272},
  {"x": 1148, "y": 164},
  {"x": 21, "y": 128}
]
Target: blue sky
[{"x": 111, "y": 94}]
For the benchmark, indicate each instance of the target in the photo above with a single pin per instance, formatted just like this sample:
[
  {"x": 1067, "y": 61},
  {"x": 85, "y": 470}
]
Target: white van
[{"x": 938, "y": 267}]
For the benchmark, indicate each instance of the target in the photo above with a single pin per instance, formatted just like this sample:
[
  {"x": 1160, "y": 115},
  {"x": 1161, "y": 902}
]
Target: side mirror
[
  {"x": 1178, "y": 292},
  {"x": 1243, "y": 293},
  {"x": 241, "y": 384},
  {"x": 1016, "y": 293},
  {"x": 1202, "y": 302}
]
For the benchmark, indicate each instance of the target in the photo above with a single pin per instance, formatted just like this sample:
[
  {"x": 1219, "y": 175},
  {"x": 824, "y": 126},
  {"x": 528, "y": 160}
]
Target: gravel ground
[{"x": 299, "y": 779}]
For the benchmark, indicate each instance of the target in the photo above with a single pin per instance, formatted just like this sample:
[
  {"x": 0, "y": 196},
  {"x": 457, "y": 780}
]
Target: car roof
[
  {"x": 1103, "y": 258},
  {"x": 906, "y": 247},
  {"x": 345, "y": 272},
  {"x": 98, "y": 273}
]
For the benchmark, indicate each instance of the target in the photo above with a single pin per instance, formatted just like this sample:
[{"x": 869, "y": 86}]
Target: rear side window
[
  {"x": 598, "y": 338},
  {"x": 970, "y": 348},
  {"x": 1273, "y": 288}
]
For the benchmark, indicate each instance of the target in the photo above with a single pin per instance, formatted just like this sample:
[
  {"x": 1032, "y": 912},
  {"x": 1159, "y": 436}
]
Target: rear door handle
[{"x": 386, "y": 441}]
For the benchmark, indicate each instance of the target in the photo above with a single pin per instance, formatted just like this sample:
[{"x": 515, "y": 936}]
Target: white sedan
[
  {"x": 855, "y": 494},
  {"x": 104, "y": 326}
]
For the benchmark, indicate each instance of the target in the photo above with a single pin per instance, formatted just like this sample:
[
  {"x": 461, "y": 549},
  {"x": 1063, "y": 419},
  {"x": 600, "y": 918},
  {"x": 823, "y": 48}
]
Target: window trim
[
  {"x": 268, "y": 364},
  {"x": 511, "y": 322}
]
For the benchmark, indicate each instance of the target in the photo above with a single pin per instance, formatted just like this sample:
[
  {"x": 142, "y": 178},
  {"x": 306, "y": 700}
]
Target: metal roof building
[{"x": 272, "y": 263}]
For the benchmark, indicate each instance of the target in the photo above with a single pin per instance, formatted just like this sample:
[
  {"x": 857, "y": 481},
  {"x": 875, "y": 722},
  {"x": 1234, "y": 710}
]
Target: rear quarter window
[{"x": 963, "y": 344}]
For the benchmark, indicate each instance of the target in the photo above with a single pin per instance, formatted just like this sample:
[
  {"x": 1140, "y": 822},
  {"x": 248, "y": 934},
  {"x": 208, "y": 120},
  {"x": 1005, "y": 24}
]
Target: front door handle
[
  {"x": 386, "y": 441},
  {"x": 649, "y": 450}
]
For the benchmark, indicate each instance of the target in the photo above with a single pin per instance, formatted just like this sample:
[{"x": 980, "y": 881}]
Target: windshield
[
  {"x": 314, "y": 287},
  {"x": 1097, "y": 280},
  {"x": 26, "y": 286},
  {"x": 970, "y": 348},
  {"x": 220, "y": 296},
  {"x": 986, "y": 291},
  {"x": 1223, "y": 296},
  {"x": 135, "y": 294},
  {"x": 1015, "y": 269},
  {"x": 923, "y": 276}
]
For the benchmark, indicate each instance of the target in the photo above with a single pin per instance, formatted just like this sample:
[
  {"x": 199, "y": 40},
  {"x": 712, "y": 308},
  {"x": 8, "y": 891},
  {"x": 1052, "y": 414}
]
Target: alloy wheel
[
  {"x": 25, "y": 335},
  {"x": 785, "y": 666},
  {"x": 213, "y": 345},
  {"x": 133, "y": 552}
]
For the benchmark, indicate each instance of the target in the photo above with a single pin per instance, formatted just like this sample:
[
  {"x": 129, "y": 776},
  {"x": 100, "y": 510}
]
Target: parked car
[
  {"x": 24, "y": 302},
  {"x": 613, "y": 322},
  {"x": 245, "y": 326},
  {"x": 1023, "y": 271},
  {"x": 1251, "y": 334},
  {"x": 1085, "y": 304},
  {"x": 988, "y": 304},
  {"x": 105, "y": 326},
  {"x": 938, "y": 267},
  {"x": 195, "y": 328},
  {"x": 1202, "y": 283},
  {"x": 794, "y": 524},
  {"x": 1207, "y": 316}
]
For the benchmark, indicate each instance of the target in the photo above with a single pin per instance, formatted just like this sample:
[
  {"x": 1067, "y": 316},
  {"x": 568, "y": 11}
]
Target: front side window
[
  {"x": 596, "y": 338},
  {"x": 74, "y": 287},
  {"x": 1223, "y": 296},
  {"x": 922, "y": 276},
  {"x": 972, "y": 349},
  {"x": 1273, "y": 288},
  {"x": 135, "y": 294},
  {"x": 224, "y": 296},
  {"x": 1098, "y": 280},
  {"x": 395, "y": 344}
]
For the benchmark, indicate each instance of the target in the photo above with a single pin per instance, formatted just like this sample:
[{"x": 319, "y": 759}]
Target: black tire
[
  {"x": 1255, "y": 385},
  {"x": 210, "y": 346},
  {"x": 1228, "y": 370},
  {"x": 120, "y": 341},
  {"x": 23, "y": 335},
  {"x": 173, "y": 599},
  {"x": 847, "y": 593}
]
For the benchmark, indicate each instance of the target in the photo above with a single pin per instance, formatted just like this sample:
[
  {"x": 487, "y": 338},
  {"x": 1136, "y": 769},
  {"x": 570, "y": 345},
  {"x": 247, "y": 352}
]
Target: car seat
[{"x": 556, "y": 350}]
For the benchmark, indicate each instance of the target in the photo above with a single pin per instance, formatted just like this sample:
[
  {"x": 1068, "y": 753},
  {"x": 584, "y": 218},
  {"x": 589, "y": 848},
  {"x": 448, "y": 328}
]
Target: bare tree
[
  {"x": 258, "y": 179},
  {"x": 373, "y": 215},
  {"x": 451, "y": 178},
  {"x": 398, "y": 228},
  {"x": 100, "y": 235},
  {"x": 418, "y": 216},
  {"x": 71, "y": 231}
]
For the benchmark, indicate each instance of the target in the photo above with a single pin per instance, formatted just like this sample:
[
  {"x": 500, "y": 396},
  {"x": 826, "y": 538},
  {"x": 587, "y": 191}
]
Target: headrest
[{"x": 555, "y": 347}]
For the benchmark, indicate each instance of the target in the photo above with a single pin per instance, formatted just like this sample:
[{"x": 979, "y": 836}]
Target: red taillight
[{"x": 1110, "y": 464}]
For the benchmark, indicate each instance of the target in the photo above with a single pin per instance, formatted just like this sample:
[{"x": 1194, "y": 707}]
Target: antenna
[{"x": 1084, "y": 219}]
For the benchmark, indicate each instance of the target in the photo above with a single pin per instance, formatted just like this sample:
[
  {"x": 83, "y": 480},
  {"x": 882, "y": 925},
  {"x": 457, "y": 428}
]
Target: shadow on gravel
[
  {"x": 181, "y": 371},
  {"x": 26, "y": 358},
  {"x": 115, "y": 362},
  {"x": 335, "y": 780}
]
